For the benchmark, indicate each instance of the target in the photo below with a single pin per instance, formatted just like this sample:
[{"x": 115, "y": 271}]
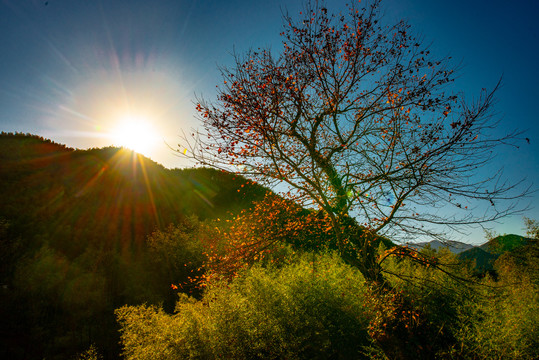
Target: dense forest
[
  {"x": 74, "y": 228},
  {"x": 97, "y": 245}
]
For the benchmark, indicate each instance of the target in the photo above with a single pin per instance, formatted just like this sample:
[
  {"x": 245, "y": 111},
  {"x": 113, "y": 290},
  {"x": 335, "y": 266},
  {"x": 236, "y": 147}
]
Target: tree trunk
[{"x": 358, "y": 247}]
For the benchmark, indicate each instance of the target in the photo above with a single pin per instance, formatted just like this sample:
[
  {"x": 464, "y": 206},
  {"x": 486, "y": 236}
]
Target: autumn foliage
[
  {"x": 356, "y": 118},
  {"x": 262, "y": 233}
]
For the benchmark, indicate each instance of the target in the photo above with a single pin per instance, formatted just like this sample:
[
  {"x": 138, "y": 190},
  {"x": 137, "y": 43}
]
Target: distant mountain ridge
[
  {"x": 455, "y": 247},
  {"x": 483, "y": 255}
]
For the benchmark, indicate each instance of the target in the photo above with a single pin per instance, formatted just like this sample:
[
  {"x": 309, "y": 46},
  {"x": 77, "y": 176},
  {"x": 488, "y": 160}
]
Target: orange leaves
[
  {"x": 343, "y": 99},
  {"x": 258, "y": 234}
]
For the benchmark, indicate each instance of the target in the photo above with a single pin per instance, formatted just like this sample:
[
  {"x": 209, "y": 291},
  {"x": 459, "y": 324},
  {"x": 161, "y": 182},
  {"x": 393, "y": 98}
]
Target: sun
[{"x": 135, "y": 133}]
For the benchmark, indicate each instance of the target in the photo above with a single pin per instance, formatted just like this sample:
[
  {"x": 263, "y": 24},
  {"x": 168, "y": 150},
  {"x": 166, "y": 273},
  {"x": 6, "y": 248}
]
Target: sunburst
[{"x": 136, "y": 133}]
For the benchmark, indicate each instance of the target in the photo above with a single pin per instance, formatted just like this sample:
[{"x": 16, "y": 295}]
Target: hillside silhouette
[
  {"x": 110, "y": 195},
  {"x": 73, "y": 230}
]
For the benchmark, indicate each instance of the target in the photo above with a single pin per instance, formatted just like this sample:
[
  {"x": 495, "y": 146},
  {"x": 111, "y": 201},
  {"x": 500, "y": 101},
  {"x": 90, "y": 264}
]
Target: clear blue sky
[{"x": 70, "y": 68}]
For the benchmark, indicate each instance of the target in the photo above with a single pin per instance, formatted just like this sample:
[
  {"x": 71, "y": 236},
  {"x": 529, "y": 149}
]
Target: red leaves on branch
[
  {"x": 260, "y": 234},
  {"x": 349, "y": 111}
]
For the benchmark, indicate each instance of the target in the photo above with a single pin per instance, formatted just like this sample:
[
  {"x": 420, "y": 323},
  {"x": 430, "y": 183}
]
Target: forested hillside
[
  {"x": 96, "y": 246},
  {"x": 73, "y": 229}
]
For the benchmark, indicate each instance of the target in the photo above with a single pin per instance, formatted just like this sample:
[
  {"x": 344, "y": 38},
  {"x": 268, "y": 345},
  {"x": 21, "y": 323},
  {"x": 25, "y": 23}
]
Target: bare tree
[{"x": 355, "y": 117}]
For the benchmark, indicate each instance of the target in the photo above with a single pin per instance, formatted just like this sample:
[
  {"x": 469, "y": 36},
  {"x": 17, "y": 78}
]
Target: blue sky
[{"x": 70, "y": 68}]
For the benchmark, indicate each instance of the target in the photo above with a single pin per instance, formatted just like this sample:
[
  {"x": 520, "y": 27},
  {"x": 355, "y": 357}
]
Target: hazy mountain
[
  {"x": 486, "y": 254},
  {"x": 454, "y": 246}
]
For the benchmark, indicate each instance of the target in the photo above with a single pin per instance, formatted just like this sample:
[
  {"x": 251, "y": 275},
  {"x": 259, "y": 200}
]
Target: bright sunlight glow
[{"x": 135, "y": 133}]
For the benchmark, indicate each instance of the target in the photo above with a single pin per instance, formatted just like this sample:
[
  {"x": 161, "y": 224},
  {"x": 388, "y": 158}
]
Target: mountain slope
[
  {"x": 485, "y": 255},
  {"x": 482, "y": 256},
  {"x": 64, "y": 194},
  {"x": 483, "y": 260},
  {"x": 504, "y": 243},
  {"x": 73, "y": 239}
]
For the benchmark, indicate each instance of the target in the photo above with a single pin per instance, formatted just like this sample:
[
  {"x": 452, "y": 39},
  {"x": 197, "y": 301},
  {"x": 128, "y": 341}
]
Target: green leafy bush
[
  {"x": 315, "y": 306},
  {"x": 505, "y": 321},
  {"x": 307, "y": 309},
  {"x": 457, "y": 316}
]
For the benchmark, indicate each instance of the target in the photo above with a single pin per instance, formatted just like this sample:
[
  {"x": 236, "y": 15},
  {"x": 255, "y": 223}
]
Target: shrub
[
  {"x": 505, "y": 324},
  {"x": 311, "y": 308}
]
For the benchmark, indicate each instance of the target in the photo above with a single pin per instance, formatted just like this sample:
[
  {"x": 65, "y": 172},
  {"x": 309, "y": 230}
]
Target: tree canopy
[{"x": 356, "y": 118}]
